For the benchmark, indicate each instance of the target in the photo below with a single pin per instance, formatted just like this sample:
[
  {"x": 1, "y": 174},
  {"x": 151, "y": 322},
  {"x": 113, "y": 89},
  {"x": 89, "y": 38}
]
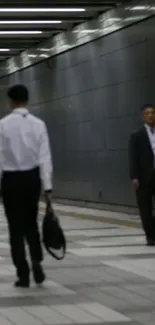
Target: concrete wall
[{"x": 91, "y": 102}]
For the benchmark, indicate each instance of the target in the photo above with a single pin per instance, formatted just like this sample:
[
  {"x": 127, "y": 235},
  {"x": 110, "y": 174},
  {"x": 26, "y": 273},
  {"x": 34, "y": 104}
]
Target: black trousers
[
  {"x": 145, "y": 195},
  {"x": 20, "y": 195}
]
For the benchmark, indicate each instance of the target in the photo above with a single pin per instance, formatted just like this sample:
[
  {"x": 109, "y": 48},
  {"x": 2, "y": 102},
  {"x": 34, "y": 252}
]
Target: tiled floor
[{"x": 107, "y": 277}]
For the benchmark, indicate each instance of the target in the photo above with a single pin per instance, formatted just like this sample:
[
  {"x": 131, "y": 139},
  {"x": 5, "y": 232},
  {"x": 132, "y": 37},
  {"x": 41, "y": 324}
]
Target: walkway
[{"x": 107, "y": 277}]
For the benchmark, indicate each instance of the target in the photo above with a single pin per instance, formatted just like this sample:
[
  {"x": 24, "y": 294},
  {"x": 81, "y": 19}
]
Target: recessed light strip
[
  {"x": 20, "y": 32},
  {"x": 32, "y": 56},
  {"x": 4, "y": 50},
  {"x": 26, "y": 22},
  {"x": 139, "y": 8},
  {"x": 44, "y": 49},
  {"x": 16, "y": 10}
]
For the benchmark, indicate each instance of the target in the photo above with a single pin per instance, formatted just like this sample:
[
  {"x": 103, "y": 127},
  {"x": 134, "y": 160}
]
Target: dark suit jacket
[{"x": 141, "y": 158}]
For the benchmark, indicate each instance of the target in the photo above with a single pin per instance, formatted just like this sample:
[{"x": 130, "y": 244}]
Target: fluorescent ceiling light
[
  {"x": 86, "y": 31},
  {"x": 44, "y": 50},
  {"x": 113, "y": 19},
  {"x": 4, "y": 50},
  {"x": 44, "y": 56},
  {"x": 139, "y": 8},
  {"x": 134, "y": 18},
  {"x": 32, "y": 55},
  {"x": 27, "y": 22},
  {"x": 89, "y": 31},
  {"x": 20, "y": 32},
  {"x": 41, "y": 10}
]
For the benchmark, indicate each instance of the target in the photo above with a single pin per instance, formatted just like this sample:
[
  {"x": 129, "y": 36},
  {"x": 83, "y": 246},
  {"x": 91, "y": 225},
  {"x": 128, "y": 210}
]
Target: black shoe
[
  {"x": 150, "y": 242},
  {"x": 22, "y": 284},
  {"x": 38, "y": 273}
]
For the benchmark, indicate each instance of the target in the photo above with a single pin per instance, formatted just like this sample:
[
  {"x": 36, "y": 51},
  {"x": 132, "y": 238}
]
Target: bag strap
[
  {"x": 49, "y": 207},
  {"x": 58, "y": 258}
]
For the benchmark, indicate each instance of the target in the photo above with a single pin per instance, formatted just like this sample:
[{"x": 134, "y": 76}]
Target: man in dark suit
[{"x": 142, "y": 170}]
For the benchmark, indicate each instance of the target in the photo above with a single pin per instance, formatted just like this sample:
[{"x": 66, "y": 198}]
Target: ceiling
[{"x": 37, "y": 17}]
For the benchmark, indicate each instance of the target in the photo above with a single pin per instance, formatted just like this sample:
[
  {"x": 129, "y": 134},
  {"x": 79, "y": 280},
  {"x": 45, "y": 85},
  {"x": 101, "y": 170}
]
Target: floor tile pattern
[{"x": 107, "y": 277}]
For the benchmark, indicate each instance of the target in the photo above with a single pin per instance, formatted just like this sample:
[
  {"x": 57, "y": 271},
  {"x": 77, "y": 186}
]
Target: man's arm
[
  {"x": 45, "y": 161},
  {"x": 133, "y": 158}
]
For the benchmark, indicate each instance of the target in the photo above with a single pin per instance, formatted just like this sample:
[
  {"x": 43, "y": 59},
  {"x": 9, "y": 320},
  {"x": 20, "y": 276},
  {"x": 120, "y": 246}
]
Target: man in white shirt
[{"x": 25, "y": 165}]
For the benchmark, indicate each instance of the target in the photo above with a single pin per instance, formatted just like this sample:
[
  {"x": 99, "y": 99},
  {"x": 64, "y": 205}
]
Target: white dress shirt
[
  {"x": 24, "y": 145},
  {"x": 151, "y": 136}
]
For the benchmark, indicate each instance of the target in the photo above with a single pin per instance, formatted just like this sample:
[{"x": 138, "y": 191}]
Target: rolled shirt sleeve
[{"x": 45, "y": 160}]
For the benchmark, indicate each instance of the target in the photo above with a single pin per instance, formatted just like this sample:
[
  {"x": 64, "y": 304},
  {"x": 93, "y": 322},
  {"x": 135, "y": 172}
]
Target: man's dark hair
[
  {"x": 144, "y": 107},
  {"x": 18, "y": 94}
]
